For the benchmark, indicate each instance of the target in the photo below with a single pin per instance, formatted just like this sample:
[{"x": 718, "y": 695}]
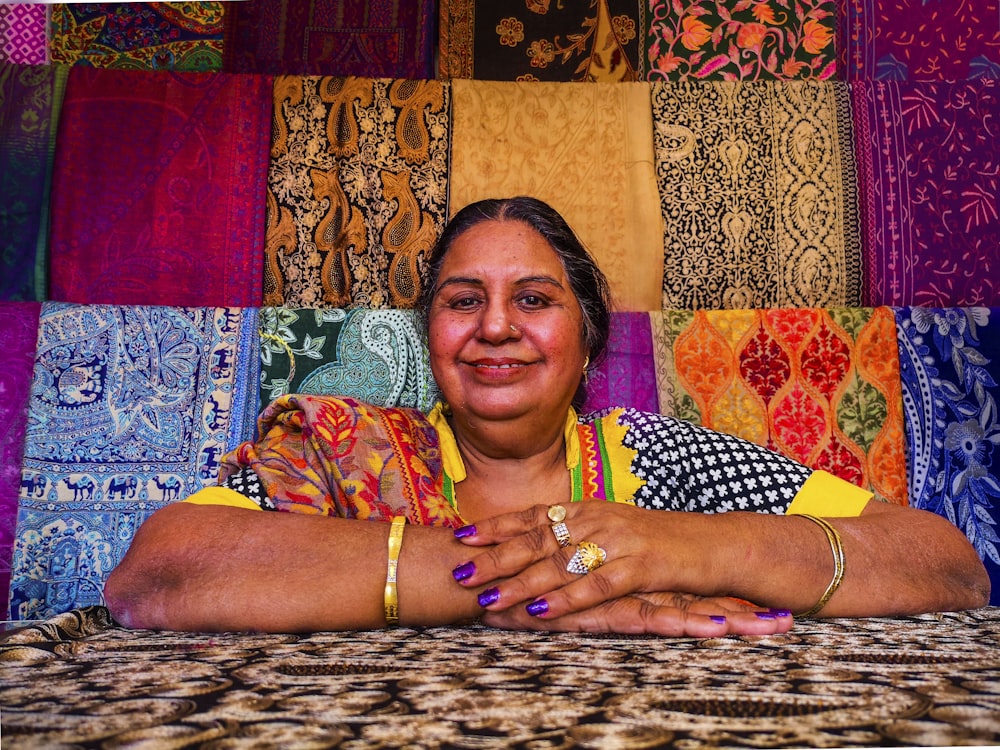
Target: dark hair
[{"x": 588, "y": 282}]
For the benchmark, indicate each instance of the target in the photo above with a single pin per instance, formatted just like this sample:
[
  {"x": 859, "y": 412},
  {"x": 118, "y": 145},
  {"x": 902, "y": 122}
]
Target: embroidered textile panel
[
  {"x": 131, "y": 409},
  {"x": 950, "y": 369},
  {"x": 377, "y": 356},
  {"x": 927, "y": 158},
  {"x": 496, "y": 40},
  {"x": 741, "y": 41},
  {"x": 158, "y": 190},
  {"x": 819, "y": 386},
  {"x": 627, "y": 377},
  {"x": 357, "y": 190},
  {"x": 377, "y": 38},
  {"x": 899, "y": 40},
  {"x": 138, "y": 36},
  {"x": 586, "y": 149},
  {"x": 757, "y": 194},
  {"x": 30, "y": 99},
  {"x": 18, "y": 331},
  {"x": 23, "y": 37}
]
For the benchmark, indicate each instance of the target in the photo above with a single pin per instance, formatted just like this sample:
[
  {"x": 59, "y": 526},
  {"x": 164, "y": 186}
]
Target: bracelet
[
  {"x": 837, "y": 547},
  {"x": 391, "y": 596}
]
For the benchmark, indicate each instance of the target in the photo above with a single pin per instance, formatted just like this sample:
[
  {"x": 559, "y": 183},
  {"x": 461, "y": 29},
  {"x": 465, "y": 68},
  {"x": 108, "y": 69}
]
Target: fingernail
[
  {"x": 717, "y": 618},
  {"x": 765, "y": 615},
  {"x": 537, "y": 607},
  {"x": 488, "y": 597},
  {"x": 463, "y": 571},
  {"x": 781, "y": 612},
  {"x": 464, "y": 531}
]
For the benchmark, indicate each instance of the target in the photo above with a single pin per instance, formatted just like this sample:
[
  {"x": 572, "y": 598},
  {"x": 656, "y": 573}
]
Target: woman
[{"x": 490, "y": 482}]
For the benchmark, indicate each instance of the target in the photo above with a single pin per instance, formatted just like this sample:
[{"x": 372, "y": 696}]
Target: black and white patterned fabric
[
  {"x": 692, "y": 468},
  {"x": 248, "y": 484}
]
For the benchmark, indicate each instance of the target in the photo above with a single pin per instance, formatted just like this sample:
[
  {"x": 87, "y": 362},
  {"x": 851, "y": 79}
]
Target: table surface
[{"x": 79, "y": 680}]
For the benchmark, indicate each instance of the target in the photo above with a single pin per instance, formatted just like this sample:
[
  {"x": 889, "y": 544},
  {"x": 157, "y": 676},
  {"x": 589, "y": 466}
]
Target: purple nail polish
[
  {"x": 463, "y": 571},
  {"x": 537, "y": 607},
  {"x": 781, "y": 612},
  {"x": 488, "y": 597},
  {"x": 464, "y": 531},
  {"x": 717, "y": 618},
  {"x": 765, "y": 615}
]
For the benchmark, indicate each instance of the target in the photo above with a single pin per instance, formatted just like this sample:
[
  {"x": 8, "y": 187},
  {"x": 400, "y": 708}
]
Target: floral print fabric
[{"x": 950, "y": 368}]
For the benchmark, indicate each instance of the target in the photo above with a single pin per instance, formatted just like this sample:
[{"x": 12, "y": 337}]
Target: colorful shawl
[
  {"x": 131, "y": 408},
  {"x": 158, "y": 189},
  {"x": 139, "y": 36},
  {"x": 757, "y": 195},
  {"x": 819, "y": 386},
  {"x": 375, "y": 39},
  {"x": 740, "y": 41},
  {"x": 23, "y": 37},
  {"x": 950, "y": 367},
  {"x": 18, "y": 330},
  {"x": 357, "y": 190},
  {"x": 30, "y": 100},
  {"x": 542, "y": 41},
  {"x": 927, "y": 158},
  {"x": 586, "y": 149}
]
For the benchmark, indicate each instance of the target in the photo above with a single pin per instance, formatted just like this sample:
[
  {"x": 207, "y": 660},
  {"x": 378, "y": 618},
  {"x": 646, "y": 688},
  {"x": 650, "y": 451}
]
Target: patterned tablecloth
[{"x": 78, "y": 680}]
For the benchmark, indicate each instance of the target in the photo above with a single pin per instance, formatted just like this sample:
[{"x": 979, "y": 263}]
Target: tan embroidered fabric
[
  {"x": 586, "y": 149},
  {"x": 357, "y": 189},
  {"x": 756, "y": 182}
]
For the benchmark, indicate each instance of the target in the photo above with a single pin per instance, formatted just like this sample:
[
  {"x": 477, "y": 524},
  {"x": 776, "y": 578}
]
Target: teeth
[{"x": 497, "y": 367}]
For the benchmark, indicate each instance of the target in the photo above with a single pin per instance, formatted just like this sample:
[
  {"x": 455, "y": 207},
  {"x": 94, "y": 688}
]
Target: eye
[
  {"x": 464, "y": 301},
  {"x": 532, "y": 301}
]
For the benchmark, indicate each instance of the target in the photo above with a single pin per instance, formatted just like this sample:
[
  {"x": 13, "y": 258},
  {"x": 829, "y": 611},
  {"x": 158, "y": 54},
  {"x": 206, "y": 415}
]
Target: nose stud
[{"x": 513, "y": 328}]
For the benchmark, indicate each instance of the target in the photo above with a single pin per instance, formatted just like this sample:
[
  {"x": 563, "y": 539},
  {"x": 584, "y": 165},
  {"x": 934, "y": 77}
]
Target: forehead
[{"x": 502, "y": 247}]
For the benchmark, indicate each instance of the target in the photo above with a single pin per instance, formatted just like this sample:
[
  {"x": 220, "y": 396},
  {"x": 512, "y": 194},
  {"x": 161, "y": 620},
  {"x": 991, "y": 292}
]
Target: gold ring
[
  {"x": 556, "y": 513},
  {"x": 562, "y": 534},
  {"x": 588, "y": 557}
]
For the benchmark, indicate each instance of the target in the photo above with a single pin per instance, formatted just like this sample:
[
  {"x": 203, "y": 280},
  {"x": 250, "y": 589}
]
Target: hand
[{"x": 661, "y": 613}]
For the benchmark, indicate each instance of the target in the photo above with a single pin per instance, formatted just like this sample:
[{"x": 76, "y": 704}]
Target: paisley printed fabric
[
  {"x": 357, "y": 190},
  {"x": 819, "y": 386},
  {"x": 376, "y": 38},
  {"x": 741, "y": 41},
  {"x": 540, "y": 40},
  {"x": 586, "y": 149},
  {"x": 138, "y": 36},
  {"x": 23, "y": 37},
  {"x": 18, "y": 331},
  {"x": 31, "y": 97},
  {"x": 158, "y": 188},
  {"x": 343, "y": 457},
  {"x": 377, "y": 356},
  {"x": 927, "y": 156},
  {"x": 950, "y": 367},
  {"x": 915, "y": 40},
  {"x": 80, "y": 680},
  {"x": 130, "y": 409},
  {"x": 756, "y": 186}
]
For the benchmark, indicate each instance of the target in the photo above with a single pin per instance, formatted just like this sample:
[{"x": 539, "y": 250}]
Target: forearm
[{"x": 213, "y": 568}]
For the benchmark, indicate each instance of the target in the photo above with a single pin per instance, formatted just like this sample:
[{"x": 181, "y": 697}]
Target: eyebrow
[{"x": 454, "y": 280}]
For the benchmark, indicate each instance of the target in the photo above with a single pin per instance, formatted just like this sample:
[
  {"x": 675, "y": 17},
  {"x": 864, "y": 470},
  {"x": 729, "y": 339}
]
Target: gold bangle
[
  {"x": 837, "y": 547},
  {"x": 391, "y": 596}
]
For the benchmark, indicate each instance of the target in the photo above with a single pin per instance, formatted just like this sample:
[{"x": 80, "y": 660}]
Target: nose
[{"x": 497, "y": 324}]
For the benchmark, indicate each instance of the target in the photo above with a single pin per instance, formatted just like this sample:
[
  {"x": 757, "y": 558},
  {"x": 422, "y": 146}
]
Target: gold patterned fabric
[
  {"x": 758, "y": 198},
  {"x": 79, "y": 680},
  {"x": 586, "y": 149},
  {"x": 356, "y": 189}
]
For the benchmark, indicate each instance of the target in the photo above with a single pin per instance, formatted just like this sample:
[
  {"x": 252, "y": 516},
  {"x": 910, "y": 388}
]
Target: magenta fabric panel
[
  {"x": 917, "y": 40},
  {"x": 23, "y": 37},
  {"x": 373, "y": 39},
  {"x": 627, "y": 376},
  {"x": 159, "y": 188},
  {"x": 927, "y": 156},
  {"x": 18, "y": 333}
]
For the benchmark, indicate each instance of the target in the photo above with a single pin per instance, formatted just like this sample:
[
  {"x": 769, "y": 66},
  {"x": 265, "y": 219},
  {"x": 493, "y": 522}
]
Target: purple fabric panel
[
  {"x": 18, "y": 331},
  {"x": 627, "y": 376},
  {"x": 23, "y": 37},
  {"x": 927, "y": 156},
  {"x": 917, "y": 40}
]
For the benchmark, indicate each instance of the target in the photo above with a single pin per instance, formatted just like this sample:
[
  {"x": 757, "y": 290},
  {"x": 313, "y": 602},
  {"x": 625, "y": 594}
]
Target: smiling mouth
[{"x": 498, "y": 367}]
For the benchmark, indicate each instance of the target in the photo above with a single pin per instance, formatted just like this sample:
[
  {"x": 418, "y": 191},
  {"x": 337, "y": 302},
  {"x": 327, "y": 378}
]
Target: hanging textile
[
  {"x": 819, "y": 386},
  {"x": 757, "y": 193},
  {"x": 23, "y": 37},
  {"x": 159, "y": 188},
  {"x": 585, "y": 149},
  {"x": 627, "y": 377},
  {"x": 138, "y": 36},
  {"x": 377, "y": 39},
  {"x": 357, "y": 189},
  {"x": 30, "y": 100}
]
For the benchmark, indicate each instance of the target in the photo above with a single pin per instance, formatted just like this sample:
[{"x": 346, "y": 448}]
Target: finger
[
  {"x": 511, "y": 558},
  {"x": 505, "y": 526}
]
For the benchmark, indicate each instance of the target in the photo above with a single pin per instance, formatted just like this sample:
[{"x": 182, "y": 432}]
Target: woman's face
[{"x": 505, "y": 329}]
